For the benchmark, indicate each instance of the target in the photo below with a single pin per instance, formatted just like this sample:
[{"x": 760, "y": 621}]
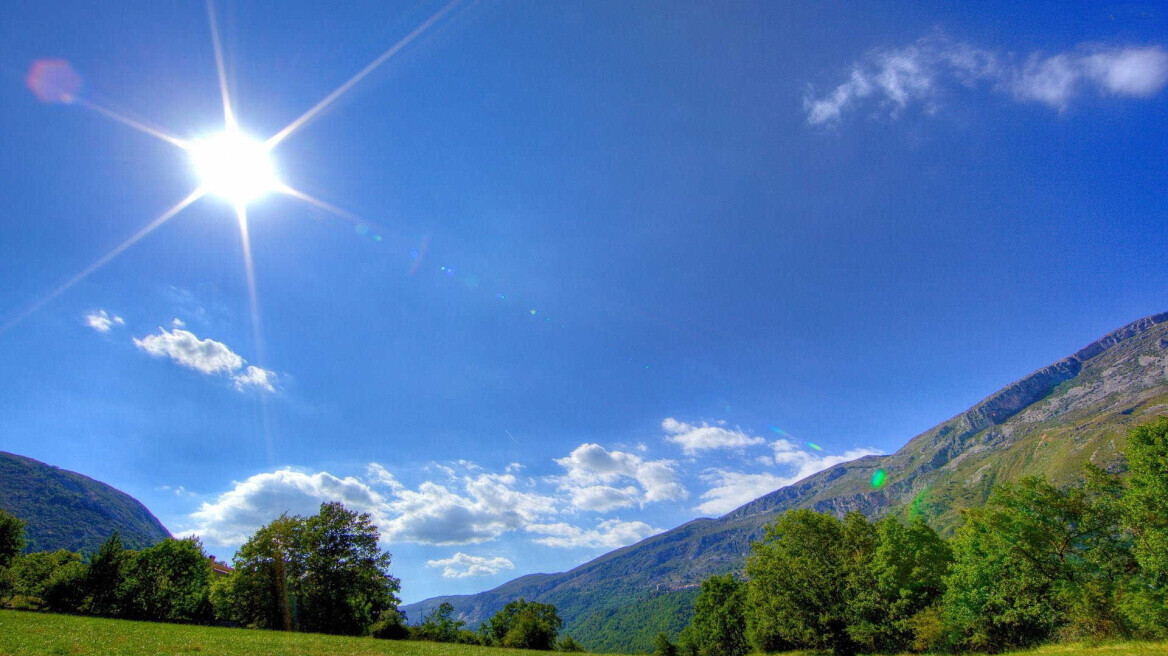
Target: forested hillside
[
  {"x": 66, "y": 510},
  {"x": 1049, "y": 423}
]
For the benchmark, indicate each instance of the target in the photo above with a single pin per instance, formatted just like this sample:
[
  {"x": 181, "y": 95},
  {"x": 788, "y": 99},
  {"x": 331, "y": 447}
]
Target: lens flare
[
  {"x": 53, "y": 81},
  {"x": 878, "y": 478}
]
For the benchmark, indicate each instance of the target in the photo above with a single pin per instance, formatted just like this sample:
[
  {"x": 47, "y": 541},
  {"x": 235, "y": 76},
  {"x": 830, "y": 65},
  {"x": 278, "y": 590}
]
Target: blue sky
[{"x": 604, "y": 267}]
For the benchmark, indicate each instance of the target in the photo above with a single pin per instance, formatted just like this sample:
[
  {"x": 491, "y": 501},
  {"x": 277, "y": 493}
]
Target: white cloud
[
  {"x": 610, "y": 534},
  {"x": 602, "y": 498},
  {"x": 183, "y": 347},
  {"x": 460, "y": 565},
  {"x": 254, "y": 378},
  {"x": 896, "y": 78},
  {"x": 693, "y": 439},
  {"x": 178, "y": 323},
  {"x": 731, "y": 489},
  {"x": 592, "y": 472},
  {"x": 471, "y": 509},
  {"x": 487, "y": 506},
  {"x": 102, "y": 322},
  {"x": 206, "y": 356},
  {"x": 236, "y": 514}
]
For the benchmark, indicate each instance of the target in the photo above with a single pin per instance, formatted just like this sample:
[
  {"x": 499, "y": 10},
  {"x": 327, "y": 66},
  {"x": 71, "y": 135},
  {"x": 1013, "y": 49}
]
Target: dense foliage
[
  {"x": 66, "y": 510},
  {"x": 719, "y": 620},
  {"x": 523, "y": 625},
  {"x": 323, "y": 573},
  {"x": 1037, "y": 563},
  {"x": 11, "y": 537}
]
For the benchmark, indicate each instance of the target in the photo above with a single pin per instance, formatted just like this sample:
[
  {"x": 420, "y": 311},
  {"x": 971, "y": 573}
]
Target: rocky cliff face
[{"x": 1049, "y": 423}]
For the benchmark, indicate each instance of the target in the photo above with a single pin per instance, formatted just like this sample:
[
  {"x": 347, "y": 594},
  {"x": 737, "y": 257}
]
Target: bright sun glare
[{"x": 234, "y": 166}]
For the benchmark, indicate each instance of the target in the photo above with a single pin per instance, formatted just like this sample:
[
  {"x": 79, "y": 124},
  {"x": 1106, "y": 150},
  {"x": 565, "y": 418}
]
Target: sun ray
[
  {"x": 105, "y": 259},
  {"x": 249, "y": 271},
  {"x": 256, "y": 328},
  {"x": 228, "y": 113},
  {"x": 300, "y": 195},
  {"x": 339, "y": 91},
  {"x": 141, "y": 127}
]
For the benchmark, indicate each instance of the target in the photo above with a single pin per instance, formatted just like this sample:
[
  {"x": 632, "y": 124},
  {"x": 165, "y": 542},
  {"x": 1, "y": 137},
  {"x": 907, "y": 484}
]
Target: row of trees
[
  {"x": 323, "y": 574},
  {"x": 1036, "y": 564},
  {"x": 169, "y": 581}
]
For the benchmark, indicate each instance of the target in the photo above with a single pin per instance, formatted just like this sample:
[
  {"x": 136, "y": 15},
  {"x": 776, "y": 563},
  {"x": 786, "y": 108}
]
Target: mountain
[
  {"x": 66, "y": 510},
  {"x": 1049, "y": 423}
]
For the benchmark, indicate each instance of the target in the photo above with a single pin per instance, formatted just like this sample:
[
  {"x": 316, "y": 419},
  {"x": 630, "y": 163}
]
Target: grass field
[{"x": 44, "y": 634}]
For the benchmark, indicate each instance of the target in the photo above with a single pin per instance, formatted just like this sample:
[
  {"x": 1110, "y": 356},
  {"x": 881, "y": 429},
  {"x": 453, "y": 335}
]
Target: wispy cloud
[
  {"x": 730, "y": 489},
  {"x": 892, "y": 80},
  {"x": 610, "y": 533},
  {"x": 103, "y": 322},
  {"x": 460, "y": 565},
  {"x": 206, "y": 356}
]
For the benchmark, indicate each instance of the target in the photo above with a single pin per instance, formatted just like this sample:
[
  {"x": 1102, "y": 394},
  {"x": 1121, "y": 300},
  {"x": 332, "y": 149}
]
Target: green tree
[
  {"x": 36, "y": 576},
  {"x": 439, "y": 625},
  {"x": 1037, "y": 560},
  {"x": 346, "y": 584},
  {"x": 1145, "y": 503},
  {"x": 662, "y": 646},
  {"x": 800, "y": 573},
  {"x": 525, "y": 625},
  {"x": 170, "y": 581},
  {"x": 391, "y": 625},
  {"x": 261, "y": 590},
  {"x": 104, "y": 582},
  {"x": 12, "y": 537},
  {"x": 1145, "y": 514},
  {"x": 65, "y": 590},
  {"x": 323, "y": 573},
  {"x": 719, "y": 619},
  {"x": 569, "y": 645},
  {"x": 903, "y": 577}
]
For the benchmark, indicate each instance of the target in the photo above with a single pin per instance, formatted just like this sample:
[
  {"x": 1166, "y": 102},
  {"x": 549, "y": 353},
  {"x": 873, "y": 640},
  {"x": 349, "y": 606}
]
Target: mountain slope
[
  {"x": 1050, "y": 423},
  {"x": 66, "y": 510}
]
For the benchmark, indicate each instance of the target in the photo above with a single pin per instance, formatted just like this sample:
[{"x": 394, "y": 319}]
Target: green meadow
[{"x": 46, "y": 634}]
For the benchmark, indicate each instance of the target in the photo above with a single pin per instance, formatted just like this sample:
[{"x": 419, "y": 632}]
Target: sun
[
  {"x": 230, "y": 164},
  {"x": 234, "y": 166}
]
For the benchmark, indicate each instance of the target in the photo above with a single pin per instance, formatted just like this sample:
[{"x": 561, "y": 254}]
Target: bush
[
  {"x": 567, "y": 644},
  {"x": 524, "y": 625},
  {"x": 390, "y": 626}
]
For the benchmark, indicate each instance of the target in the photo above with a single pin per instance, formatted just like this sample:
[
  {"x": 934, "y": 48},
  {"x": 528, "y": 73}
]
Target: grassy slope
[
  {"x": 43, "y": 634},
  {"x": 36, "y": 634}
]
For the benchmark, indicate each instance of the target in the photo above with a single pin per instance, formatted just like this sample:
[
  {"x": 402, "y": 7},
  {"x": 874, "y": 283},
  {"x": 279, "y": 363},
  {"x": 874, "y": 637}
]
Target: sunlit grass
[
  {"x": 37, "y": 634},
  {"x": 45, "y": 634}
]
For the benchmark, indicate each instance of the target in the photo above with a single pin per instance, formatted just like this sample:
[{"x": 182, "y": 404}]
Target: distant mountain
[
  {"x": 1051, "y": 422},
  {"x": 66, "y": 510}
]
